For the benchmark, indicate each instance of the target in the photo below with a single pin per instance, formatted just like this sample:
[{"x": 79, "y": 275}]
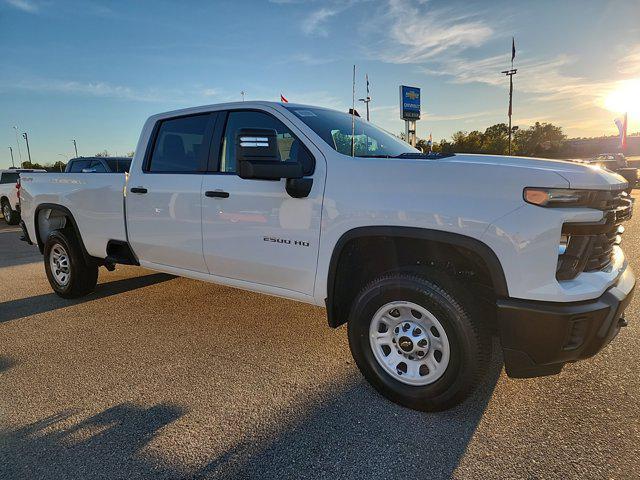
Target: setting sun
[{"x": 625, "y": 98}]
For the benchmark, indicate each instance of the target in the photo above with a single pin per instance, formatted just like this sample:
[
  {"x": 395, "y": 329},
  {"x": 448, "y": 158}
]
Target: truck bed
[{"x": 94, "y": 199}]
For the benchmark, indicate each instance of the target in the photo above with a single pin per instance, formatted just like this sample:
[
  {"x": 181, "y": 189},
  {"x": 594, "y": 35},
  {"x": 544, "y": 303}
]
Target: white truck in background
[
  {"x": 10, "y": 193},
  {"x": 425, "y": 257}
]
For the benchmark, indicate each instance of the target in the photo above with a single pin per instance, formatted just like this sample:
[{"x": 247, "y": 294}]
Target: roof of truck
[{"x": 235, "y": 105}]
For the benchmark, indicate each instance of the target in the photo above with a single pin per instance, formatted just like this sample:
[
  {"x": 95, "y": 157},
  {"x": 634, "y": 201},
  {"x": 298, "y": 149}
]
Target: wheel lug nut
[
  {"x": 393, "y": 340},
  {"x": 416, "y": 332},
  {"x": 420, "y": 353},
  {"x": 397, "y": 330},
  {"x": 422, "y": 343},
  {"x": 411, "y": 357},
  {"x": 406, "y": 327}
]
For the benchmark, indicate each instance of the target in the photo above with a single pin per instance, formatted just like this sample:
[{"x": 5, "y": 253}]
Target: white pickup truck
[
  {"x": 425, "y": 257},
  {"x": 10, "y": 194}
]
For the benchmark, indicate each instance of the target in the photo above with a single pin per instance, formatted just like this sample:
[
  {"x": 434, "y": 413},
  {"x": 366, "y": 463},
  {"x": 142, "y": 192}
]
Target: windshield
[
  {"x": 335, "y": 128},
  {"x": 118, "y": 165}
]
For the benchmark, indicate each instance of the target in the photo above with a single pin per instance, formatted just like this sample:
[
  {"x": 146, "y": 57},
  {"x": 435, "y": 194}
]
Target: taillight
[{"x": 18, "y": 188}]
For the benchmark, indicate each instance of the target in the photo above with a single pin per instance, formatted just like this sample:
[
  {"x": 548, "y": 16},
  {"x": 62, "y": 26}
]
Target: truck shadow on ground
[
  {"x": 359, "y": 434},
  {"x": 6, "y": 363},
  {"x": 14, "y": 309},
  {"x": 105, "y": 445},
  {"x": 352, "y": 432}
]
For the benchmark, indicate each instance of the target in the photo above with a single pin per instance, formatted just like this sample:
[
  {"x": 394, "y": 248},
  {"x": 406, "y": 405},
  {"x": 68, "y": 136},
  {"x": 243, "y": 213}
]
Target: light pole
[
  {"x": 367, "y": 99},
  {"x": 26, "y": 139},
  {"x": 15, "y": 128},
  {"x": 12, "y": 163},
  {"x": 75, "y": 146}
]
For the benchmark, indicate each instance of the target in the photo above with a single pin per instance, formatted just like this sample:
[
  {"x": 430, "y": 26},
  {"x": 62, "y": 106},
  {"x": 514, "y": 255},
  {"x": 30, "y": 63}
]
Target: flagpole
[
  {"x": 353, "y": 114},
  {"x": 510, "y": 73}
]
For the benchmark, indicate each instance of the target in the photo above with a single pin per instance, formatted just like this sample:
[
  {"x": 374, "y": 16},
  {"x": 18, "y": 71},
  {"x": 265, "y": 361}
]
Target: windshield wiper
[
  {"x": 375, "y": 156},
  {"x": 424, "y": 155}
]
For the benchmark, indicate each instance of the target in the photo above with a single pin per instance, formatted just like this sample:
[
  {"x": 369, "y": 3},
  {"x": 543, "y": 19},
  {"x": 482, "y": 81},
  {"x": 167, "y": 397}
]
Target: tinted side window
[
  {"x": 289, "y": 146},
  {"x": 9, "y": 177},
  {"x": 178, "y": 145},
  {"x": 78, "y": 165}
]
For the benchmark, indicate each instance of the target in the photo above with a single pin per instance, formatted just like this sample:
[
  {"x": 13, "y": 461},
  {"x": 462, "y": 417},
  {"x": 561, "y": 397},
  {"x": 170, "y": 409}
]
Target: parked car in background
[
  {"x": 616, "y": 162},
  {"x": 98, "y": 165},
  {"x": 9, "y": 195}
]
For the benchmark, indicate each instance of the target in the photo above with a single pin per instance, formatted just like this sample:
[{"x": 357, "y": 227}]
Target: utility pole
[
  {"x": 75, "y": 146},
  {"x": 367, "y": 99},
  {"x": 510, "y": 73},
  {"x": 242, "y": 93},
  {"x": 12, "y": 163},
  {"x": 26, "y": 139},
  {"x": 15, "y": 128}
]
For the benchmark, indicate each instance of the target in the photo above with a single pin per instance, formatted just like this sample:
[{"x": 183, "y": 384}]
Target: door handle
[
  {"x": 216, "y": 194},
  {"x": 138, "y": 190}
]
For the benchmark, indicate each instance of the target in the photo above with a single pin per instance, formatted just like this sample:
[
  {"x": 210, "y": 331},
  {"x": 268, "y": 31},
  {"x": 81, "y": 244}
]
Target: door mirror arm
[{"x": 299, "y": 187}]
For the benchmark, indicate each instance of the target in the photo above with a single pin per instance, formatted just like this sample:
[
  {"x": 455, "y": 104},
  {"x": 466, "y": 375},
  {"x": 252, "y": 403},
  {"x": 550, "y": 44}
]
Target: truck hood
[{"x": 579, "y": 175}]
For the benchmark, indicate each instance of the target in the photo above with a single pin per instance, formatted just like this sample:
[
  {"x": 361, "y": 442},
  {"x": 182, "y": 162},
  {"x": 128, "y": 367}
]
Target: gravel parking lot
[{"x": 154, "y": 376}]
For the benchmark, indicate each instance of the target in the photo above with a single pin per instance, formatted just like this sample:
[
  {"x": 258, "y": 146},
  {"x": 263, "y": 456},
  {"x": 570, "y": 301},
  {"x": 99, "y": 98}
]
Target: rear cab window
[
  {"x": 9, "y": 177},
  {"x": 181, "y": 145}
]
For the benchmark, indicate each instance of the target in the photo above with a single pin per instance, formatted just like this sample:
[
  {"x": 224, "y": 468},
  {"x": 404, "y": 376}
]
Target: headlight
[{"x": 560, "y": 197}]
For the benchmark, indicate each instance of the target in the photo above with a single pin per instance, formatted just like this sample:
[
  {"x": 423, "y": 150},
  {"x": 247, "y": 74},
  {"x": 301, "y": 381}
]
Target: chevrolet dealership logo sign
[
  {"x": 412, "y": 95},
  {"x": 409, "y": 103}
]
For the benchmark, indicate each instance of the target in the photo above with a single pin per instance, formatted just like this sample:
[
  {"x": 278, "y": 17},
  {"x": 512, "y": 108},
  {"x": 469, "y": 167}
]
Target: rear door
[
  {"x": 164, "y": 204},
  {"x": 253, "y": 230}
]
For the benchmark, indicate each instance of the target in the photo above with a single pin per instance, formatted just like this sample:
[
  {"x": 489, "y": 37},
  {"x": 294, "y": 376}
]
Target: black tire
[
  {"x": 12, "y": 217},
  {"x": 450, "y": 303},
  {"x": 83, "y": 276}
]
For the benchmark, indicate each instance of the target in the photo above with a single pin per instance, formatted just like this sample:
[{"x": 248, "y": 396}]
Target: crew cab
[
  {"x": 424, "y": 257},
  {"x": 10, "y": 195}
]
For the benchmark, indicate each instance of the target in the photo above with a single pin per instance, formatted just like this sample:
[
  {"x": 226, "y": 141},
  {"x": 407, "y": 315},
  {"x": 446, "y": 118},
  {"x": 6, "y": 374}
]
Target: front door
[
  {"x": 164, "y": 203},
  {"x": 252, "y": 229}
]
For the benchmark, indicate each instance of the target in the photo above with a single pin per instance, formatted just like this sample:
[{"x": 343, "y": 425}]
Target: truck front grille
[{"x": 591, "y": 245}]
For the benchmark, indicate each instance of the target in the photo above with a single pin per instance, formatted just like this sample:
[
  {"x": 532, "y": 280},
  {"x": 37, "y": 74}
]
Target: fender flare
[
  {"x": 480, "y": 248},
  {"x": 72, "y": 221}
]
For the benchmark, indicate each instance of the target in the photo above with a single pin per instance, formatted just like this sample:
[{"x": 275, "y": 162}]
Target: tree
[
  {"x": 541, "y": 139},
  {"x": 103, "y": 153}
]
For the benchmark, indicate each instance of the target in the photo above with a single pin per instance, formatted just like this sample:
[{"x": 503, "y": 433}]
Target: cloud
[
  {"x": 630, "y": 63},
  {"x": 24, "y": 5},
  {"x": 314, "y": 23},
  {"x": 107, "y": 90},
  {"x": 307, "y": 59},
  {"x": 417, "y": 33}
]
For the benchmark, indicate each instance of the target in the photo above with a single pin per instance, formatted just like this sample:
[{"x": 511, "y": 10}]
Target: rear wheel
[
  {"x": 11, "y": 216},
  {"x": 417, "y": 340},
  {"x": 69, "y": 274}
]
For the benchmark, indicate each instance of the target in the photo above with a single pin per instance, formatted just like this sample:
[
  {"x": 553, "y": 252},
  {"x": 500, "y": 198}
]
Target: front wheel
[
  {"x": 416, "y": 340},
  {"x": 69, "y": 274}
]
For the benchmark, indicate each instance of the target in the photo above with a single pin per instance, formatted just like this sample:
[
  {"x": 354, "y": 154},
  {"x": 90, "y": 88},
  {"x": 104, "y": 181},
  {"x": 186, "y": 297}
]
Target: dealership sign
[{"x": 409, "y": 103}]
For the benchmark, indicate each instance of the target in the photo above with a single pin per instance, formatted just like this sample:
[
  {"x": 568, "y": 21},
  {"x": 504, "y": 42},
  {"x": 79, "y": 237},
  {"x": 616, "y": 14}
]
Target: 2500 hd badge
[{"x": 286, "y": 241}]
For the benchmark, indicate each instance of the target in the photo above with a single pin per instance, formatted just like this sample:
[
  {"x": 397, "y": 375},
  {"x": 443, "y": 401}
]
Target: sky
[{"x": 94, "y": 71}]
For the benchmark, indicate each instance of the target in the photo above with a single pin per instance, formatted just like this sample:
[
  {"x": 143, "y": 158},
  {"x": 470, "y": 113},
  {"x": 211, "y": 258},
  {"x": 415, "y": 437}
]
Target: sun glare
[{"x": 625, "y": 98}]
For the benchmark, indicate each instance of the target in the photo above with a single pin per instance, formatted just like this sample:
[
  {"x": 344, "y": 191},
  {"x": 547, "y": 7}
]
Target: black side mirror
[{"x": 258, "y": 157}]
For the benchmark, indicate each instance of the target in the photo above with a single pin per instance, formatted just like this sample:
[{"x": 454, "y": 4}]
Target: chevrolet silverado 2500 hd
[{"x": 425, "y": 258}]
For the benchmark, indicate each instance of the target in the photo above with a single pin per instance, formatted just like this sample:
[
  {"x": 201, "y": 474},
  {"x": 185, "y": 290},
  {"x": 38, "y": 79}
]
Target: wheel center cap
[{"x": 406, "y": 344}]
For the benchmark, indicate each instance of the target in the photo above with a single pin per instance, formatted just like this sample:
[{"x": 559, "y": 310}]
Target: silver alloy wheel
[
  {"x": 59, "y": 263},
  {"x": 6, "y": 211},
  {"x": 409, "y": 342}
]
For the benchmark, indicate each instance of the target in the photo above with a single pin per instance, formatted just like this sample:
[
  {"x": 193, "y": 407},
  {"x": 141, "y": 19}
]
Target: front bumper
[{"x": 539, "y": 338}]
